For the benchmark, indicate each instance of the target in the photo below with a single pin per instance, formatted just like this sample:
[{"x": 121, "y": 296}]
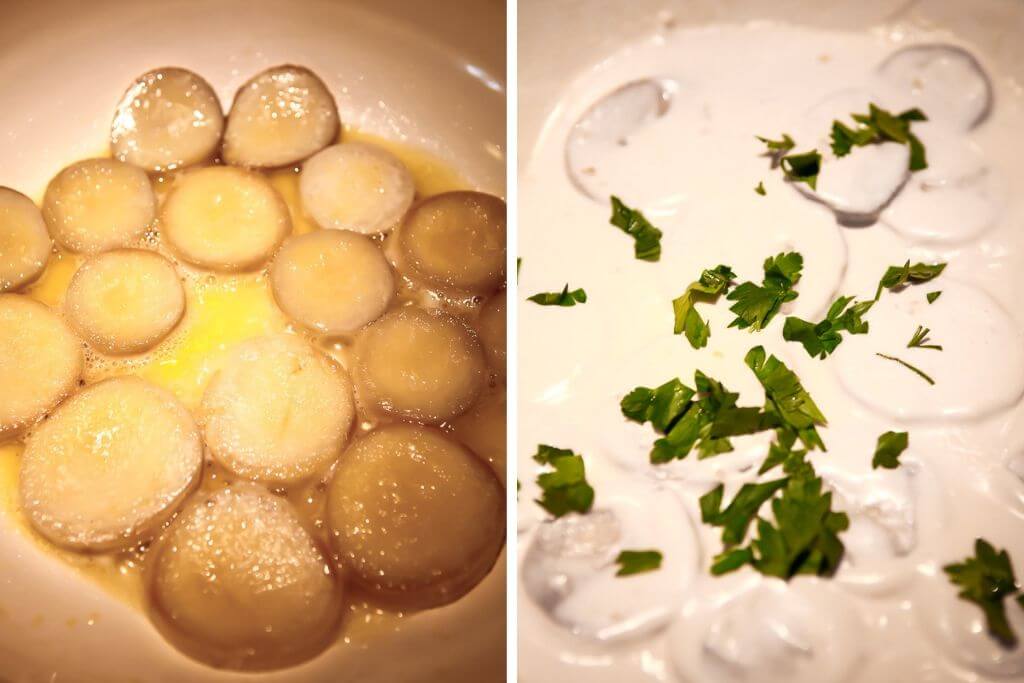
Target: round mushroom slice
[
  {"x": 356, "y": 187},
  {"x": 493, "y": 326},
  {"x": 110, "y": 465},
  {"x": 280, "y": 116},
  {"x": 167, "y": 119},
  {"x": 97, "y": 205},
  {"x": 24, "y": 243},
  {"x": 237, "y": 582},
  {"x": 416, "y": 518},
  {"x": 41, "y": 361},
  {"x": 456, "y": 241},
  {"x": 418, "y": 365},
  {"x": 125, "y": 301},
  {"x": 223, "y": 218},
  {"x": 945, "y": 81},
  {"x": 278, "y": 411},
  {"x": 332, "y": 281}
]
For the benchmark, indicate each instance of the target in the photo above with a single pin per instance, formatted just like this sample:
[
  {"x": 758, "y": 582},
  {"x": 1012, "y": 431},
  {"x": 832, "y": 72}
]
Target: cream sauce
[{"x": 677, "y": 140}]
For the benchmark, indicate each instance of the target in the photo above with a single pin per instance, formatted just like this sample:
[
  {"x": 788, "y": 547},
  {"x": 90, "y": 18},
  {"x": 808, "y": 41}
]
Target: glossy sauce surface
[{"x": 674, "y": 136}]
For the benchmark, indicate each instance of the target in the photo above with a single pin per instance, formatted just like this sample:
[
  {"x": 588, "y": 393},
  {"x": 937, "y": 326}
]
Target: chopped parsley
[
  {"x": 920, "y": 340},
  {"x": 804, "y": 538},
  {"x": 917, "y": 371},
  {"x": 879, "y": 125},
  {"x": 803, "y": 168},
  {"x": 932, "y": 296},
  {"x": 735, "y": 519},
  {"x": 637, "y": 561},
  {"x": 777, "y": 147},
  {"x": 821, "y": 339},
  {"x": 896, "y": 277},
  {"x": 888, "y": 450},
  {"x": 711, "y": 284},
  {"x": 785, "y": 397},
  {"x": 760, "y": 189},
  {"x": 563, "y": 298},
  {"x": 646, "y": 237},
  {"x": 703, "y": 418},
  {"x": 564, "y": 489},
  {"x": 756, "y": 305},
  {"x": 987, "y": 580}
]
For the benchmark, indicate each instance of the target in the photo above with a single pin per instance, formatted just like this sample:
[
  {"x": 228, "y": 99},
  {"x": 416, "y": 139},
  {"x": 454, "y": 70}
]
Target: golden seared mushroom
[
  {"x": 225, "y": 219},
  {"x": 125, "y": 301},
  {"x": 492, "y": 328},
  {"x": 237, "y": 582},
  {"x": 358, "y": 187},
  {"x": 332, "y": 281},
  {"x": 25, "y": 244},
  {"x": 414, "y": 517},
  {"x": 456, "y": 241},
  {"x": 279, "y": 410},
  {"x": 97, "y": 205},
  {"x": 110, "y": 465},
  {"x": 425, "y": 366},
  {"x": 281, "y": 116},
  {"x": 41, "y": 361},
  {"x": 167, "y": 119}
]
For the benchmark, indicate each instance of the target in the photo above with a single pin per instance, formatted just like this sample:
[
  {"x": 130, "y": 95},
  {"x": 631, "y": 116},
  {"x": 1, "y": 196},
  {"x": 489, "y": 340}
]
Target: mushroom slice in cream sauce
[{"x": 690, "y": 162}]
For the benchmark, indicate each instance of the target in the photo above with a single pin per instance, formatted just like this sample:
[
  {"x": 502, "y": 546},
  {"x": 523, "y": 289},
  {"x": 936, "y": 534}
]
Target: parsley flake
[
  {"x": 822, "y": 338},
  {"x": 711, "y": 284},
  {"x": 703, "y": 418},
  {"x": 563, "y": 298},
  {"x": 760, "y": 189},
  {"x": 776, "y": 147},
  {"x": 803, "y": 168},
  {"x": 637, "y": 561},
  {"x": 987, "y": 580},
  {"x": 932, "y": 296},
  {"x": 896, "y": 277},
  {"x": 756, "y": 305},
  {"x": 920, "y": 373},
  {"x": 879, "y": 125},
  {"x": 804, "y": 538},
  {"x": 565, "y": 488},
  {"x": 920, "y": 340},
  {"x": 785, "y": 397},
  {"x": 646, "y": 237},
  {"x": 888, "y": 450}
]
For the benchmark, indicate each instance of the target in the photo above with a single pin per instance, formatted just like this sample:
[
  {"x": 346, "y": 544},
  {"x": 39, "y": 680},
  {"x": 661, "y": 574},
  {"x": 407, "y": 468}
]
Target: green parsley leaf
[
  {"x": 647, "y": 238},
  {"x": 884, "y": 125},
  {"x": 563, "y": 298},
  {"x": 735, "y": 519},
  {"x": 760, "y": 189},
  {"x": 804, "y": 538},
  {"x": 711, "y": 284},
  {"x": 786, "y": 398},
  {"x": 896, "y": 277},
  {"x": 565, "y": 489},
  {"x": 701, "y": 419},
  {"x": 932, "y": 296},
  {"x": 803, "y": 168},
  {"x": 781, "y": 452},
  {"x": 987, "y": 580},
  {"x": 920, "y": 340},
  {"x": 917, "y": 371},
  {"x": 822, "y": 338},
  {"x": 519, "y": 265},
  {"x": 888, "y": 450},
  {"x": 637, "y": 561},
  {"x": 756, "y": 305},
  {"x": 845, "y": 138},
  {"x": 776, "y": 147}
]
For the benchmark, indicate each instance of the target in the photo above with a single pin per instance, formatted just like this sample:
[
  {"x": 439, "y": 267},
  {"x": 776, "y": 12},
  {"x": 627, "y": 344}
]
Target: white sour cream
[{"x": 668, "y": 124}]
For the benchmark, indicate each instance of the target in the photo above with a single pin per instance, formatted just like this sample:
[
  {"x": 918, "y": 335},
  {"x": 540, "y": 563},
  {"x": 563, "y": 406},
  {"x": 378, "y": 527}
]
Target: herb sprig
[
  {"x": 646, "y": 237},
  {"x": 564, "y": 298},
  {"x": 564, "y": 489},
  {"x": 755, "y": 305},
  {"x": 987, "y": 579},
  {"x": 637, "y": 561},
  {"x": 712, "y": 283}
]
